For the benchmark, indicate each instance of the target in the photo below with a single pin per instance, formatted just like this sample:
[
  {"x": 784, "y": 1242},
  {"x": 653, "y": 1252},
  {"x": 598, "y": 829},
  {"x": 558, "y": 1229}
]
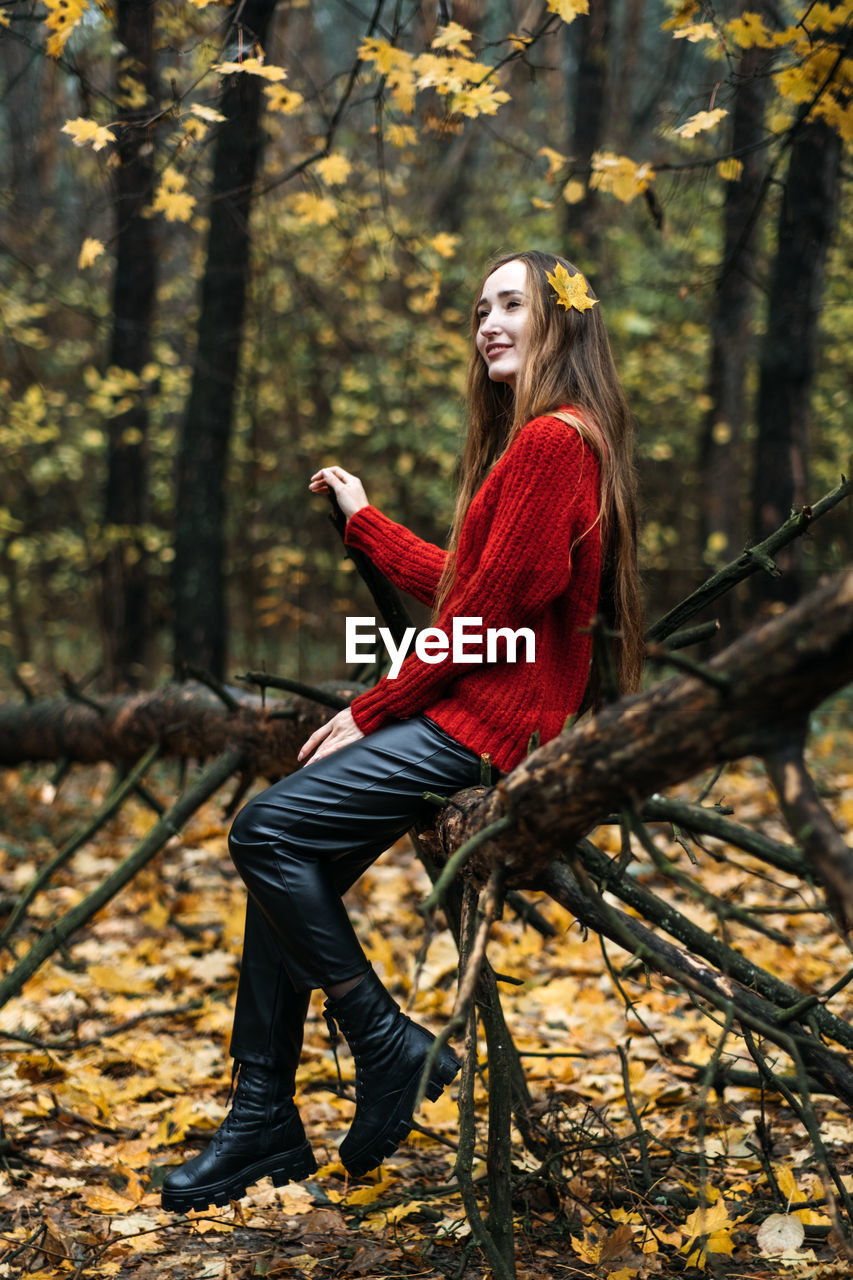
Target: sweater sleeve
[
  {"x": 411, "y": 564},
  {"x": 549, "y": 486}
]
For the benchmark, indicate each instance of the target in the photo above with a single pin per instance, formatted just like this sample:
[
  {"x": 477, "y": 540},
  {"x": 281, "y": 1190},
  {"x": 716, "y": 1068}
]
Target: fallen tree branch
[
  {"x": 834, "y": 1071},
  {"x": 204, "y": 787},
  {"x": 727, "y": 960},
  {"x": 113, "y": 803},
  {"x": 749, "y": 562},
  {"x": 635, "y": 747},
  {"x": 812, "y": 827},
  {"x": 187, "y": 720}
]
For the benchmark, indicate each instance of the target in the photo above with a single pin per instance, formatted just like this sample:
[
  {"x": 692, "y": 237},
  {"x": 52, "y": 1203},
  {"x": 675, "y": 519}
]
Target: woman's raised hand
[{"x": 347, "y": 488}]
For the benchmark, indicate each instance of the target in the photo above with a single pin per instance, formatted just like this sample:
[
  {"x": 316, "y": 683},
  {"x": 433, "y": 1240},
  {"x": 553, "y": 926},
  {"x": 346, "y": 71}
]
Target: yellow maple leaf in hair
[{"x": 571, "y": 291}]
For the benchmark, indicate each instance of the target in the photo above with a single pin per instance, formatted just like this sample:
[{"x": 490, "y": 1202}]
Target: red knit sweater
[{"x": 529, "y": 555}]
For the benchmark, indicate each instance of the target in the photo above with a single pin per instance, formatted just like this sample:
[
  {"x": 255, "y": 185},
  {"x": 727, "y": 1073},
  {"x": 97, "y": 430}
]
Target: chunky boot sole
[
  {"x": 400, "y": 1117},
  {"x": 284, "y": 1167}
]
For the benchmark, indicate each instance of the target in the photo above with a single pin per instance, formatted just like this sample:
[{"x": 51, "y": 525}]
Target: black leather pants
[{"x": 299, "y": 846}]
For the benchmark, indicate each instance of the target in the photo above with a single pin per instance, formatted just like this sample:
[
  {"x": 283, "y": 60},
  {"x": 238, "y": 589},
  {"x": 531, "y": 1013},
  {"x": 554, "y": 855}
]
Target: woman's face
[{"x": 504, "y": 316}]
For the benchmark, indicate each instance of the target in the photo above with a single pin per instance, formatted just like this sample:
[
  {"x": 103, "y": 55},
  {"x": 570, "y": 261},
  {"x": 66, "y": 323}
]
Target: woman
[{"x": 543, "y": 537}]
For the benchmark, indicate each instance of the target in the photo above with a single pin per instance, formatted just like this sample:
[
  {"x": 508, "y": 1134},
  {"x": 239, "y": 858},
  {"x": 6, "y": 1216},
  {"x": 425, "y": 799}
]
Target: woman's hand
[
  {"x": 347, "y": 488},
  {"x": 334, "y": 734}
]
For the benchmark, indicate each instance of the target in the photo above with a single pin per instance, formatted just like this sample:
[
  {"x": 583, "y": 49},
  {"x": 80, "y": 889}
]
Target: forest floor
[{"x": 115, "y": 1069}]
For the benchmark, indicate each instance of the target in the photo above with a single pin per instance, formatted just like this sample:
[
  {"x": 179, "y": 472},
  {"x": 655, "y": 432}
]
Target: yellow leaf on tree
[
  {"x": 826, "y": 18},
  {"x": 397, "y": 66},
  {"x": 313, "y": 210},
  {"x": 251, "y": 67},
  {"x": 62, "y": 18},
  {"x": 89, "y": 251},
  {"x": 444, "y": 244},
  {"x": 730, "y": 169},
  {"x": 401, "y": 135},
  {"x": 171, "y": 199},
  {"x": 749, "y": 31},
  {"x": 571, "y": 291},
  {"x": 455, "y": 37},
  {"x": 619, "y": 175},
  {"x": 696, "y": 31},
  {"x": 479, "y": 100},
  {"x": 334, "y": 169},
  {"x": 280, "y": 98},
  {"x": 681, "y": 16},
  {"x": 568, "y": 10},
  {"x": 436, "y": 71},
  {"x": 555, "y": 159},
  {"x": 700, "y": 122},
  {"x": 206, "y": 113},
  {"x": 381, "y": 53},
  {"x": 838, "y": 116},
  {"x": 82, "y": 131},
  {"x": 573, "y": 191}
]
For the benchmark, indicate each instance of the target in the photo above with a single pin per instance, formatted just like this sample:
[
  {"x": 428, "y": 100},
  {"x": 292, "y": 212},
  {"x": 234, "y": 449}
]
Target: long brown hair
[{"x": 569, "y": 362}]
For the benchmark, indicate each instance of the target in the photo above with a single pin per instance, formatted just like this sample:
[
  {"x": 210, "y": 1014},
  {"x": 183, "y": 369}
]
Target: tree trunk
[
  {"x": 807, "y": 218},
  {"x": 199, "y": 569},
  {"x": 721, "y": 449},
  {"x": 124, "y": 572},
  {"x": 190, "y": 720},
  {"x": 765, "y": 683},
  {"x": 630, "y": 44},
  {"x": 589, "y": 113},
  {"x": 771, "y": 678}
]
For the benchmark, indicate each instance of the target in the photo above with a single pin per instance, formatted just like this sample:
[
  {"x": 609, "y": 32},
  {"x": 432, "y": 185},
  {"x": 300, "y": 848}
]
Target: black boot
[
  {"x": 389, "y": 1051},
  {"x": 262, "y": 1136}
]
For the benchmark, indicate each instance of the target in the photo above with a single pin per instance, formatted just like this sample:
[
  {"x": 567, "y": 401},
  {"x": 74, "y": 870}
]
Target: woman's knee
[{"x": 248, "y": 828}]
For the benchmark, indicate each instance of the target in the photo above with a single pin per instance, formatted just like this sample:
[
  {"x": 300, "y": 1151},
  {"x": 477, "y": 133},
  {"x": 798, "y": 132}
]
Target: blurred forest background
[{"x": 240, "y": 241}]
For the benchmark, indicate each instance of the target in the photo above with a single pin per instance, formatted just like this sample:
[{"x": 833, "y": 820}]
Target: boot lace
[{"x": 334, "y": 1037}]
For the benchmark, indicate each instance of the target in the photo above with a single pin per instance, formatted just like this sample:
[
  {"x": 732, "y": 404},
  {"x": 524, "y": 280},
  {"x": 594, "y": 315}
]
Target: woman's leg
[
  {"x": 294, "y": 844},
  {"x": 299, "y": 846}
]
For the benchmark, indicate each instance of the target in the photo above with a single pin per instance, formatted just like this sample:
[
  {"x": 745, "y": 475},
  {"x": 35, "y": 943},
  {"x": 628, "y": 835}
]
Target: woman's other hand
[
  {"x": 346, "y": 487},
  {"x": 335, "y": 733}
]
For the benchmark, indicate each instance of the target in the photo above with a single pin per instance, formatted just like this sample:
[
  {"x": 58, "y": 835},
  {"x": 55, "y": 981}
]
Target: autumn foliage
[{"x": 308, "y": 209}]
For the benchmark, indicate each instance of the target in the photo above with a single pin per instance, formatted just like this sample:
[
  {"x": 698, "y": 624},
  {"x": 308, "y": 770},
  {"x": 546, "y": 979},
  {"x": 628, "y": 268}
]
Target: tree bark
[
  {"x": 589, "y": 105},
  {"x": 759, "y": 688},
  {"x": 199, "y": 568},
  {"x": 189, "y": 720},
  {"x": 721, "y": 448},
  {"x": 807, "y": 219},
  {"x": 772, "y": 677},
  {"x": 124, "y": 576}
]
